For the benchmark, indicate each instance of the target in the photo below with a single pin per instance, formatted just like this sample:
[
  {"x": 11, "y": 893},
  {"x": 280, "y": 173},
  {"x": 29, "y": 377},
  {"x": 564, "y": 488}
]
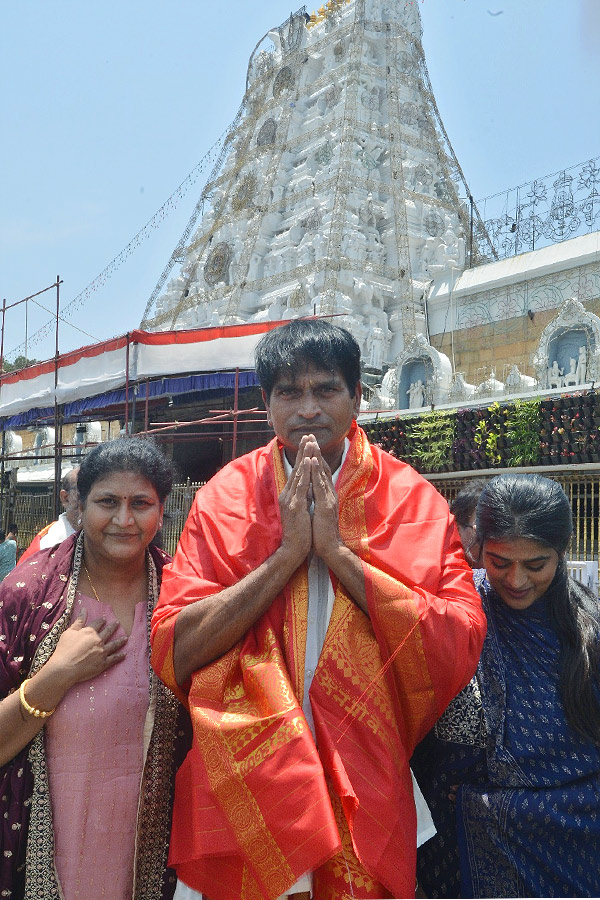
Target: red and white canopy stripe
[{"x": 138, "y": 355}]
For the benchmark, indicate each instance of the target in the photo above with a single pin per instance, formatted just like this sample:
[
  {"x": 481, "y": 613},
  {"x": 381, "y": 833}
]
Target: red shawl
[{"x": 253, "y": 809}]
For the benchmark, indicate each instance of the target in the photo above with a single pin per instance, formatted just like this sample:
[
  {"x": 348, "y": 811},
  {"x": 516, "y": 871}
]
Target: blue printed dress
[{"x": 514, "y": 792}]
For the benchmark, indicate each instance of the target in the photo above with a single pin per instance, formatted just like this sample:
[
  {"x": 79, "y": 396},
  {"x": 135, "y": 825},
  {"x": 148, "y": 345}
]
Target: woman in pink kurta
[
  {"x": 95, "y": 791},
  {"x": 85, "y": 802}
]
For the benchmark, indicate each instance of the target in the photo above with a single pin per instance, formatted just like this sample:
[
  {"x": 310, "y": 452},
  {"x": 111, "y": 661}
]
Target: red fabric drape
[{"x": 252, "y": 809}]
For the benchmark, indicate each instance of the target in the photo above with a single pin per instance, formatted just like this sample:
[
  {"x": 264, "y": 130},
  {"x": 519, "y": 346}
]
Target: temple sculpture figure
[{"x": 555, "y": 376}]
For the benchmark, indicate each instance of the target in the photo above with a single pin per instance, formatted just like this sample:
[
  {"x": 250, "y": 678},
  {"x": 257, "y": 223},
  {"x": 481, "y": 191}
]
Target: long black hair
[{"x": 537, "y": 508}]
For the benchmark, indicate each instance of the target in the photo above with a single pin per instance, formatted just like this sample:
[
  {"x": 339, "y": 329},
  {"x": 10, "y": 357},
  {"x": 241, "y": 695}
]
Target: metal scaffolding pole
[
  {"x": 58, "y": 427},
  {"x": 57, "y": 416}
]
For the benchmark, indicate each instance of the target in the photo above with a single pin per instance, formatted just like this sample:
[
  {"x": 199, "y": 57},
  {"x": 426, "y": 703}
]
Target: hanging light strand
[{"x": 157, "y": 219}]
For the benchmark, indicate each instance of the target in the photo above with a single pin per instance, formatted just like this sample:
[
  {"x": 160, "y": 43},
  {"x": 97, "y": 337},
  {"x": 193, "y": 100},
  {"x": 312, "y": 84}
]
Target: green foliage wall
[{"x": 556, "y": 431}]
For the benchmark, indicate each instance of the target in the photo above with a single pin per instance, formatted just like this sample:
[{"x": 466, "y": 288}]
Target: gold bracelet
[{"x": 38, "y": 713}]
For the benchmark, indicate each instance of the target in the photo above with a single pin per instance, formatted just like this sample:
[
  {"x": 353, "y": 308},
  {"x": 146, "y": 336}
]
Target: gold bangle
[{"x": 38, "y": 713}]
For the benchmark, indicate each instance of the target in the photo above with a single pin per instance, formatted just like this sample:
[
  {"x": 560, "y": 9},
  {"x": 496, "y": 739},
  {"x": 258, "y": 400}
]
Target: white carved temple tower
[{"x": 337, "y": 190}]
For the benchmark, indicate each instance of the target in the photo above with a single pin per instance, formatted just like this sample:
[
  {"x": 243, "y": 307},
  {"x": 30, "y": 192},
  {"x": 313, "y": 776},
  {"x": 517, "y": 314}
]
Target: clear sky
[{"x": 107, "y": 105}]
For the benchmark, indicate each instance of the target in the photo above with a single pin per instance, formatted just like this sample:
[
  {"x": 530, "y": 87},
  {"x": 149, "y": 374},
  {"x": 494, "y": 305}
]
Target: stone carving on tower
[
  {"x": 517, "y": 383},
  {"x": 460, "y": 390},
  {"x": 336, "y": 190}
]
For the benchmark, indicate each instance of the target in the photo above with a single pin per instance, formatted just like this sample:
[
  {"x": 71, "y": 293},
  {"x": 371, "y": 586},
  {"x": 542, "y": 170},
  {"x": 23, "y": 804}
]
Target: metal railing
[
  {"x": 583, "y": 491},
  {"x": 551, "y": 209},
  {"x": 31, "y": 512},
  {"x": 177, "y": 507}
]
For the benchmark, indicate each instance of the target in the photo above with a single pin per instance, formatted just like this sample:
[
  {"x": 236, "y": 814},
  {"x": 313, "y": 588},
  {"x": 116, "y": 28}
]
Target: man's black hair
[
  {"x": 67, "y": 482},
  {"x": 465, "y": 503},
  {"x": 289, "y": 349}
]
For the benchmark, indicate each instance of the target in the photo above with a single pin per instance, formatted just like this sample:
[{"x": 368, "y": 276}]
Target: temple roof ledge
[{"x": 578, "y": 251}]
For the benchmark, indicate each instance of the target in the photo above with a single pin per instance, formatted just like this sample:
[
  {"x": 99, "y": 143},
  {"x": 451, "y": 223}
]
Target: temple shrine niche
[
  {"x": 422, "y": 376},
  {"x": 568, "y": 353}
]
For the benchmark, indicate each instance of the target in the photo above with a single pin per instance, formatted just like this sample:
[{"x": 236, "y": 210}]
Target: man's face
[
  {"x": 70, "y": 501},
  {"x": 313, "y": 401},
  {"x": 471, "y": 546}
]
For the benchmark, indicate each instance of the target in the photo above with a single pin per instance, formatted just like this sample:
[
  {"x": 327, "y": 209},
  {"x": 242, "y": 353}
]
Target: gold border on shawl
[
  {"x": 398, "y": 618},
  {"x": 388, "y": 592},
  {"x": 241, "y": 807},
  {"x": 394, "y": 611},
  {"x": 351, "y": 488},
  {"x": 219, "y": 744},
  {"x": 337, "y": 878},
  {"x": 351, "y": 673},
  {"x": 250, "y": 889},
  {"x": 162, "y": 655}
]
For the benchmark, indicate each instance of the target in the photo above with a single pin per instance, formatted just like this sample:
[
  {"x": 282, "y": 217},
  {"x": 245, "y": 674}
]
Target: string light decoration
[{"x": 143, "y": 234}]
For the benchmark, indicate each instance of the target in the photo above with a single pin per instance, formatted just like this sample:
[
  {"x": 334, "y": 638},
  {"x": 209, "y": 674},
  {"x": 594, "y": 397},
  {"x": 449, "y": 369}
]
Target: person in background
[
  {"x": 317, "y": 618},
  {"x": 463, "y": 509},
  {"x": 67, "y": 522},
  {"x": 89, "y": 736},
  {"x": 511, "y": 770},
  {"x": 8, "y": 555}
]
